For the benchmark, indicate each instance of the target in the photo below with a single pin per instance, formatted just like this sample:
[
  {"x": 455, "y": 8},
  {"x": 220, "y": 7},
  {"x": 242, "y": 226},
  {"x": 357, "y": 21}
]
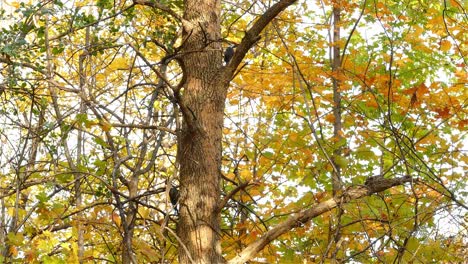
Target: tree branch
[
  {"x": 231, "y": 194},
  {"x": 142, "y": 126},
  {"x": 160, "y": 6},
  {"x": 252, "y": 36},
  {"x": 378, "y": 184}
]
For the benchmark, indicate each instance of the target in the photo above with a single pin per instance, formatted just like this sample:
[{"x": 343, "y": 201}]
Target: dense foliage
[{"x": 342, "y": 90}]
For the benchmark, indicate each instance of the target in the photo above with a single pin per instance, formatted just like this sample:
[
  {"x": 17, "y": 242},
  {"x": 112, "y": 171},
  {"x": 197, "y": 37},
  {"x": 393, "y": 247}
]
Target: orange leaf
[
  {"x": 14, "y": 251},
  {"x": 30, "y": 256},
  {"x": 330, "y": 118},
  {"x": 443, "y": 112},
  {"x": 105, "y": 126},
  {"x": 116, "y": 218},
  {"x": 445, "y": 45},
  {"x": 384, "y": 216},
  {"x": 410, "y": 91},
  {"x": 462, "y": 123},
  {"x": 422, "y": 90}
]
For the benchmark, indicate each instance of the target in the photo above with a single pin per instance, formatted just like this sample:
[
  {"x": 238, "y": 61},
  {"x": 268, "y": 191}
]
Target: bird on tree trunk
[
  {"x": 229, "y": 53},
  {"x": 174, "y": 197}
]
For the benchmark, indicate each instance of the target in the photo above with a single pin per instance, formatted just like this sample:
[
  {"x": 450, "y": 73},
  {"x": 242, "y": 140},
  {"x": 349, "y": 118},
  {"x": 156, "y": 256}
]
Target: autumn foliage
[{"x": 343, "y": 131}]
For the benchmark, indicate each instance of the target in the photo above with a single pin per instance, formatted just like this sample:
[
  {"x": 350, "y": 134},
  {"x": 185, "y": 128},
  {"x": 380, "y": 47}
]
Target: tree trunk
[
  {"x": 337, "y": 124},
  {"x": 202, "y": 103},
  {"x": 335, "y": 223}
]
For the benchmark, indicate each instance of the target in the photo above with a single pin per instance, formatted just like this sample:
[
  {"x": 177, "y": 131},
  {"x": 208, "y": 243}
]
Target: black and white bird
[
  {"x": 174, "y": 197},
  {"x": 228, "y": 53}
]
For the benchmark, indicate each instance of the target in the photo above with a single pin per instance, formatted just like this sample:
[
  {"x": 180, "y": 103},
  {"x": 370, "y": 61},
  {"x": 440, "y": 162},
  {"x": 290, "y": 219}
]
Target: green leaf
[
  {"x": 268, "y": 154},
  {"x": 64, "y": 177},
  {"x": 57, "y": 50},
  {"x": 101, "y": 142},
  {"x": 341, "y": 161},
  {"x": 42, "y": 197},
  {"x": 15, "y": 239}
]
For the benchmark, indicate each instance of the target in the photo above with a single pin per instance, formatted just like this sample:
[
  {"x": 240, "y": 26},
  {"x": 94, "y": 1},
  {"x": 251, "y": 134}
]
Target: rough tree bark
[
  {"x": 202, "y": 105},
  {"x": 202, "y": 102},
  {"x": 335, "y": 222}
]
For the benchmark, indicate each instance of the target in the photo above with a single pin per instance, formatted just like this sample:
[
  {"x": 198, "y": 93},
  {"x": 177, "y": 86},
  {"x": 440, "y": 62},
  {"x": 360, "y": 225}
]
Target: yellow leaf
[
  {"x": 231, "y": 176},
  {"x": 255, "y": 192},
  {"x": 105, "y": 126},
  {"x": 11, "y": 211},
  {"x": 293, "y": 137},
  {"x": 246, "y": 175},
  {"x": 116, "y": 218},
  {"x": 143, "y": 212},
  {"x": 445, "y": 45},
  {"x": 15, "y": 4},
  {"x": 81, "y": 3},
  {"x": 118, "y": 64},
  {"x": 417, "y": 31},
  {"x": 89, "y": 124}
]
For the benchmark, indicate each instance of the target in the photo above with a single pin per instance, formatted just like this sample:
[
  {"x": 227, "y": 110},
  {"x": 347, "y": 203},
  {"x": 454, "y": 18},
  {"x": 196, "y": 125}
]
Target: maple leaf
[{"x": 443, "y": 112}]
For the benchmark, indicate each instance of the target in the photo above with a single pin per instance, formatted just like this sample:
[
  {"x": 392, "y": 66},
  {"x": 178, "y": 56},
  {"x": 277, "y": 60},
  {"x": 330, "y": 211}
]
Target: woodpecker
[
  {"x": 174, "y": 197},
  {"x": 229, "y": 53}
]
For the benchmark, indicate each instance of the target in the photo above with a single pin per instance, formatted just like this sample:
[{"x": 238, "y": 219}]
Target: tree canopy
[{"x": 336, "y": 133}]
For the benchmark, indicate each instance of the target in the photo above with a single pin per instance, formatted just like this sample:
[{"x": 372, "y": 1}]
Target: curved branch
[
  {"x": 377, "y": 184},
  {"x": 252, "y": 36},
  {"x": 231, "y": 194}
]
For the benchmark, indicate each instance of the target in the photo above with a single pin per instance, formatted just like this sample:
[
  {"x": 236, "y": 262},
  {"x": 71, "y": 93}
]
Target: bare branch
[
  {"x": 232, "y": 193},
  {"x": 141, "y": 126},
  {"x": 180, "y": 243}
]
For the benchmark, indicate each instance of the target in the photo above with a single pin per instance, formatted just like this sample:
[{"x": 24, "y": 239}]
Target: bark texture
[{"x": 202, "y": 103}]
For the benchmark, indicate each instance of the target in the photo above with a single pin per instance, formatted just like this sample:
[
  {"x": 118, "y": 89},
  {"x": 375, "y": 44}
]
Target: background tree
[{"x": 342, "y": 120}]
